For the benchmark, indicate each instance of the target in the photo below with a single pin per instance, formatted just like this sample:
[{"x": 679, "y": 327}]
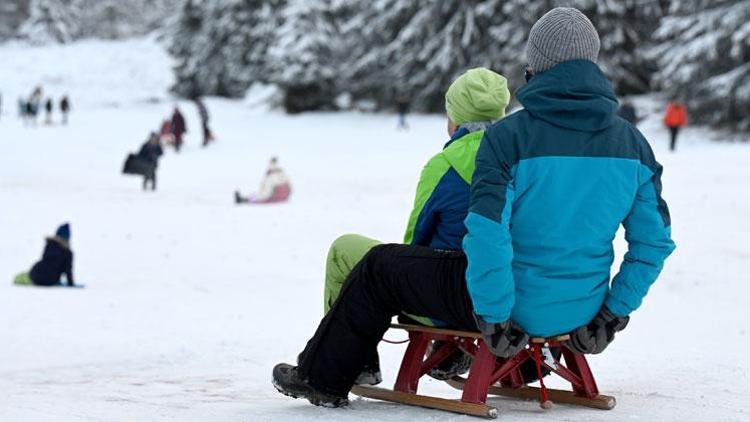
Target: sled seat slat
[{"x": 470, "y": 334}]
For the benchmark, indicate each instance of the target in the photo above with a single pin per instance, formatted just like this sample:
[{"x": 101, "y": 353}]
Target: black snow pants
[
  {"x": 673, "y": 131},
  {"x": 389, "y": 280}
]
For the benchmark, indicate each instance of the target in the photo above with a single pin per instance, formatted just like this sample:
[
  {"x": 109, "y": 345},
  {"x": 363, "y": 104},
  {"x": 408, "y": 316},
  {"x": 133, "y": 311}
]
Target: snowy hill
[
  {"x": 191, "y": 300},
  {"x": 94, "y": 73}
]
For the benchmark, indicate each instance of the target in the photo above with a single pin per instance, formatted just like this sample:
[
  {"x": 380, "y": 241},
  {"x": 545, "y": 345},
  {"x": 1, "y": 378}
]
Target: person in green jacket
[{"x": 475, "y": 100}]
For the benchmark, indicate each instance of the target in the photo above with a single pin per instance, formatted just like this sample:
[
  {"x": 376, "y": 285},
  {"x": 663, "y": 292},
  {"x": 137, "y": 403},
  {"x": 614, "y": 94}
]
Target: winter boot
[
  {"x": 288, "y": 382},
  {"x": 457, "y": 363},
  {"x": 370, "y": 374},
  {"x": 238, "y": 199}
]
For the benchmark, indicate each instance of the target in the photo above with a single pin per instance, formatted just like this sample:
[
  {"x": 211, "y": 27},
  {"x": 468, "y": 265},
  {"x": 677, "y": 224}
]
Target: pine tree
[
  {"x": 704, "y": 60},
  {"x": 418, "y": 48},
  {"x": 13, "y": 13},
  {"x": 624, "y": 28},
  {"x": 304, "y": 56},
  {"x": 185, "y": 39},
  {"x": 51, "y": 21},
  {"x": 221, "y": 46}
]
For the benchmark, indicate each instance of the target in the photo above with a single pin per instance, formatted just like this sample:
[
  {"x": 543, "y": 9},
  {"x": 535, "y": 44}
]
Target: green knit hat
[{"x": 478, "y": 95}]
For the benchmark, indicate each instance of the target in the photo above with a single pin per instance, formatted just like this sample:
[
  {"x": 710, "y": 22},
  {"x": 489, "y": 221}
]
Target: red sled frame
[{"x": 488, "y": 374}]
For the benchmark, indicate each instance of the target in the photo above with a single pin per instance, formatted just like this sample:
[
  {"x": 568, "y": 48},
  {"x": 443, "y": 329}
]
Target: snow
[{"x": 191, "y": 300}]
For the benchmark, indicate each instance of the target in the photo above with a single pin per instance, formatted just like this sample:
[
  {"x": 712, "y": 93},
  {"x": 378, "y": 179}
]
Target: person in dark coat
[
  {"x": 627, "y": 112},
  {"x": 57, "y": 260},
  {"x": 149, "y": 157},
  {"x": 65, "y": 109},
  {"x": 402, "y": 108},
  {"x": 48, "y": 110},
  {"x": 29, "y": 113},
  {"x": 178, "y": 128},
  {"x": 203, "y": 112}
]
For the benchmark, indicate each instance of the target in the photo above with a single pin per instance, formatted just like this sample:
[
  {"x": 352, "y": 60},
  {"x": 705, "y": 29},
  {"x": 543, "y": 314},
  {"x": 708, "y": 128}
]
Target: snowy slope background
[{"x": 190, "y": 300}]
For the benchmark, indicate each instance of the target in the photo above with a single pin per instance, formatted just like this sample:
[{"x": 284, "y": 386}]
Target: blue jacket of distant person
[{"x": 552, "y": 185}]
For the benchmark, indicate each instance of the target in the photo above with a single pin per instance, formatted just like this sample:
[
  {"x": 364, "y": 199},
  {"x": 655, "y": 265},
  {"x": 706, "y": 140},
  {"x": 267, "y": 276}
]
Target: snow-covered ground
[{"x": 191, "y": 300}]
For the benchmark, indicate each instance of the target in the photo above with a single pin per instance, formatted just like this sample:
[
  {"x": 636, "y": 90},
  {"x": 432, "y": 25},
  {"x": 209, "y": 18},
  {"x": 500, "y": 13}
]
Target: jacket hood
[{"x": 574, "y": 95}]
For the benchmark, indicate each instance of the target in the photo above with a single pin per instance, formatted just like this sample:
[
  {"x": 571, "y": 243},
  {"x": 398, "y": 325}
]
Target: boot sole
[{"x": 312, "y": 400}]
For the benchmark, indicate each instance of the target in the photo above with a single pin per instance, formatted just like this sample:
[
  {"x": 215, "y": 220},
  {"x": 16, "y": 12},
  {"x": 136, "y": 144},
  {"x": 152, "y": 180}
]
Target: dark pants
[
  {"x": 389, "y": 280},
  {"x": 673, "y": 131},
  {"x": 206, "y": 134},
  {"x": 150, "y": 177}
]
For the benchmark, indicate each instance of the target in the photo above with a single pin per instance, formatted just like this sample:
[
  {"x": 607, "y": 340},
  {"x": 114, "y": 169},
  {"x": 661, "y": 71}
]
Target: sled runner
[{"x": 488, "y": 374}]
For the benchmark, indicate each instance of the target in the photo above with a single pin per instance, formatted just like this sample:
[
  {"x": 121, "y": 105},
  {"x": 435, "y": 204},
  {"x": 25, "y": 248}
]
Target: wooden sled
[{"x": 488, "y": 374}]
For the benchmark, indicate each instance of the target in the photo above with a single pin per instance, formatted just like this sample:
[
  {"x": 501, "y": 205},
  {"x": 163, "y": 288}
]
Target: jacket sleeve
[
  {"x": 487, "y": 244},
  {"x": 648, "y": 233}
]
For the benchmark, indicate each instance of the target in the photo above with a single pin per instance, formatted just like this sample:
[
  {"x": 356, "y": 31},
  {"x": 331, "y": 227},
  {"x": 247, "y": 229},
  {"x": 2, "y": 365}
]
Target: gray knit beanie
[{"x": 562, "y": 34}]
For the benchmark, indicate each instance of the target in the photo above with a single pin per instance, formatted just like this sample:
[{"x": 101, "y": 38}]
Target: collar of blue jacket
[{"x": 574, "y": 95}]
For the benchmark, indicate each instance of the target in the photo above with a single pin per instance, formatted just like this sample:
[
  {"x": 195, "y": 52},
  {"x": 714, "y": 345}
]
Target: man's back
[{"x": 553, "y": 184}]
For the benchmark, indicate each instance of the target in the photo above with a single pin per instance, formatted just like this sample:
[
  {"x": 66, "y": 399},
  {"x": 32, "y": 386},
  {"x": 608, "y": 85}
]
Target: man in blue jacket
[{"x": 551, "y": 186}]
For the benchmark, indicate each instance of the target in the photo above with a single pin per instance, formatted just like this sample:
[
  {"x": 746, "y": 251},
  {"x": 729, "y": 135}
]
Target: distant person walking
[
  {"x": 21, "y": 108},
  {"x": 148, "y": 158},
  {"x": 627, "y": 111},
  {"x": 32, "y": 105},
  {"x": 179, "y": 128},
  {"x": 65, "y": 109},
  {"x": 675, "y": 118},
  {"x": 402, "y": 108},
  {"x": 57, "y": 261},
  {"x": 29, "y": 113},
  {"x": 48, "y": 111},
  {"x": 203, "y": 112}
]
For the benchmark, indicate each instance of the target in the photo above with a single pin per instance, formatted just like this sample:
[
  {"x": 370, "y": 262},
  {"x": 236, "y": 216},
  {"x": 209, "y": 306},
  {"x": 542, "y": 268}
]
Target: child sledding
[
  {"x": 550, "y": 186},
  {"x": 274, "y": 188},
  {"x": 55, "y": 268}
]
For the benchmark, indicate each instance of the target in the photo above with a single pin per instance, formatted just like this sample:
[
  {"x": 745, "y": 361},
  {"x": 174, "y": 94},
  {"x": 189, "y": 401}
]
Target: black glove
[
  {"x": 504, "y": 339},
  {"x": 597, "y": 334}
]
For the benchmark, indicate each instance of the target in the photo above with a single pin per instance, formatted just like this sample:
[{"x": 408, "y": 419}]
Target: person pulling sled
[{"x": 146, "y": 162}]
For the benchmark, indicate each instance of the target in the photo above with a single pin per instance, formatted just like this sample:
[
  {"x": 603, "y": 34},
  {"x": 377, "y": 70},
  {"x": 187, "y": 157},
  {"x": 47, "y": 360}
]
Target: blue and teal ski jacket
[
  {"x": 442, "y": 199},
  {"x": 553, "y": 182}
]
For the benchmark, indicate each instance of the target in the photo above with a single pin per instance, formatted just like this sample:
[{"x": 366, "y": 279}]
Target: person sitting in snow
[
  {"x": 56, "y": 262},
  {"x": 551, "y": 185},
  {"x": 473, "y": 102},
  {"x": 274, "y": 188}
]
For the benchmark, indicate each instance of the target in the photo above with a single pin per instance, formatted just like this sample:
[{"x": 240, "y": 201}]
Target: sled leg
[
  {"x": 472, "y": 409},
  {"x": 577, "y": 364},
  {"x": 411, "y": 366},
  {"x": 480, "y": 376}
]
